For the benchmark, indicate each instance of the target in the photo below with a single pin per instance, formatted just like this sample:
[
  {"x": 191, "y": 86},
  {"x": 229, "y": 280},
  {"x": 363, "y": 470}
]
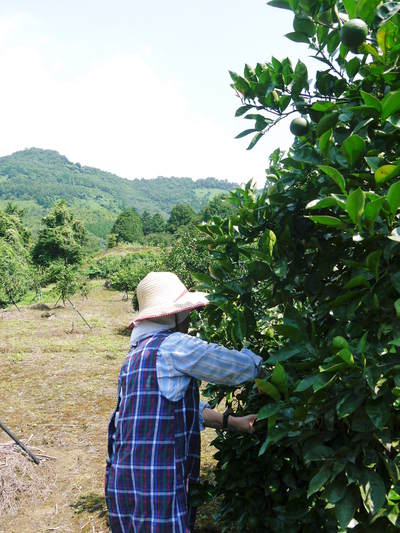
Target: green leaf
[
  {"x": 390, "y": 104},
  {"x": 268, "y": 410},
  {"x": 279, "y": 379},
  {"x": 366, "y": 10},
  {"x": 327, "y": 220},
  {"x": 268, "y": 241},
  {"x": 373, "y": 491},
  {"x": 327, "y": 122},
  {"x": 397, "y": 307},
  {"x": 319, "y": 480},
  {"x": 318, "y": 452},
  {"x": 372, "y": 209},
  {"x": 352, "y": 67},
  {"x": 356, "y": 281},
  {"x": 325, "y": 141},
  {"x": 298, "y": 37},
  {"x": 306, "y": 383},
  {"x": 395, "y": 280},
  {"x": 349, "y": 403},
  {"x": 346, "y": 355},
  {"x": 346, "y": 507},
  {"x": 244, "y": 133},
  {"x": 335, "y": 175},
  {"x": 387, "y": 36},
  {"x": 354, "y": 148},
  {"x": 268, "y": 388},
  {"x": 393, "y": 197},
  {"x": 334, "y": 492},
  {"x": 351, "y": 7},
  {"x": 255, "y": 140},
  {"x": 329, "y": 201},
  {"x": 355, "y": 205},
  {"x": 371, "y": 101},
  {"x": 378, "y": 411},
  {"x": 282, "y": 4},
  {"x": 372, "y": 261},
  {"x": 323, "y": 106},
  {"x": 304, "y": 25},
  {"x": 242, "y": 110},
  {"x": 386, "y": 172}
]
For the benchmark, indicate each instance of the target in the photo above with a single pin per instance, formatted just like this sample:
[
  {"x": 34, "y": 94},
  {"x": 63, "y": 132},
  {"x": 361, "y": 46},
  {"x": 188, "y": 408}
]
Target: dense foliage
[
  {"x": 152, "y": 223},
  {"x": 36, "y": 179},
  {"x": 307, "y": 275},
  {"x": 15, "y": 271},
  {"x": 128, "y": 226},
  {"x": 181, "y": 215},
  {"x": 62, "y": 237}
]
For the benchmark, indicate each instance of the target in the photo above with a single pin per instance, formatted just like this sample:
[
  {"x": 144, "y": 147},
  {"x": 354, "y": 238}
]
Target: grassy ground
[{"x": 57, "y": 388}]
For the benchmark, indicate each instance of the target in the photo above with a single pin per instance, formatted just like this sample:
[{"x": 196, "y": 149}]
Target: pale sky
[{"x": 138, "y": 88}]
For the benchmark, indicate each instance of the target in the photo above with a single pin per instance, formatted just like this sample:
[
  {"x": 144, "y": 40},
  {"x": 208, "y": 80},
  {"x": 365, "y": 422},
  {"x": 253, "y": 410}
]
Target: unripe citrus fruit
[
  {"x": 299, "y": 126},
  {"x": 338, "y": 343},
  {"x": 353, "y": 33}
]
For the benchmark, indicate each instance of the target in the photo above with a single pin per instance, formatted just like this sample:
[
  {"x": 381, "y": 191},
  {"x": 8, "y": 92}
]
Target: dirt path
[{"x": 57, "y": 387}]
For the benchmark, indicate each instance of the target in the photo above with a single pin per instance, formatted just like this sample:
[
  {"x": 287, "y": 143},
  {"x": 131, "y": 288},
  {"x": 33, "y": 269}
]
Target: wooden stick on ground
[{"x": 20, "y": 444}]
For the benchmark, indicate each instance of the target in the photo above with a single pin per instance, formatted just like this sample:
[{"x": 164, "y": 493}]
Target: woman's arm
[{"x": 243, "y": 424}]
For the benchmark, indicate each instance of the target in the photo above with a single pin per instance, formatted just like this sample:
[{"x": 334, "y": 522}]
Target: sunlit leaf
[
  {"x": 335, "y": 175},
  {"x": 355, "y": 205},
  {"x": 390, "y": 104},
  {"x": 354, "y": 148},
  {"x": 386, "y": 172}
]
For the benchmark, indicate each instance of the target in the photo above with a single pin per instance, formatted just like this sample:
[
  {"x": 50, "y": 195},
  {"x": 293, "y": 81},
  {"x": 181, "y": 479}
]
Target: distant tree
[
  {"x": 181, "y": 215},
  {"x": 62, "y": 237},
  {"x": 152, "y": 223},
  {"x": 15, "y": 275},
  {"x": 13, "y": 231},
  {"x": 13, "y": 209},
  {"x": 217, "y": 206},
  {"x": 128, "y": 226},
  {"x": 15, "y": 269},
  {"x": 188, "y": 254}
]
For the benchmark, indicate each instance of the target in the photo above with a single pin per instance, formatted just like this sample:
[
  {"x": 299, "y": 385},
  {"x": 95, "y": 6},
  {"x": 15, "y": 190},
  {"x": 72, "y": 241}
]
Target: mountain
[{"x": 34, "y": 179}]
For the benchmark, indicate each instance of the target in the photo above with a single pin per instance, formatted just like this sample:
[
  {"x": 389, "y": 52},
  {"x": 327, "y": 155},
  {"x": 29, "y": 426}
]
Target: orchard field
[{"x": 305, "y": 272}]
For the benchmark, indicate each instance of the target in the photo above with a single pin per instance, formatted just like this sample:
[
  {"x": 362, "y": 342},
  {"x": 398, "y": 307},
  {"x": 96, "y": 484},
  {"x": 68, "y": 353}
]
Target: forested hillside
[{"x": 35, "y": 178}]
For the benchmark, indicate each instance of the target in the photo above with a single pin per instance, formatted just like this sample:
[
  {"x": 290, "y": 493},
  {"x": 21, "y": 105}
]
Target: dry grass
[{"x": 58, "y": 385}]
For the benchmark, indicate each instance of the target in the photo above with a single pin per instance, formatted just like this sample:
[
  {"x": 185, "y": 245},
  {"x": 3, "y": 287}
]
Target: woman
[{"x": 154, "y": 433}]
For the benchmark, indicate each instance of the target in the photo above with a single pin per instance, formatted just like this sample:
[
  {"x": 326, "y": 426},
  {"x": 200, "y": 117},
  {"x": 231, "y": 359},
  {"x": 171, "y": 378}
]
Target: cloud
[{"x": 119, "y": 114}]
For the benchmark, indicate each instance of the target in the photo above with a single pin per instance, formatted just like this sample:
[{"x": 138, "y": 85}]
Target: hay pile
[{"x": 21, "y": 478}]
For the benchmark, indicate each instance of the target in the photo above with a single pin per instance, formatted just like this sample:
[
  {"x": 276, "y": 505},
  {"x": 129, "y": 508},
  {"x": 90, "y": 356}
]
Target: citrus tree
[
  {"x": 62, "y": 238},
  {"x": 15, "y": 267},
  {"x": 307, "y": 275}
]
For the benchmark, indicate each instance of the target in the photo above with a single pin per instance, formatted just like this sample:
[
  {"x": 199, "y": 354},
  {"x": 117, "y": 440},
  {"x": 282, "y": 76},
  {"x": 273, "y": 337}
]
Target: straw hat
[{"x": 162, "y": 294}]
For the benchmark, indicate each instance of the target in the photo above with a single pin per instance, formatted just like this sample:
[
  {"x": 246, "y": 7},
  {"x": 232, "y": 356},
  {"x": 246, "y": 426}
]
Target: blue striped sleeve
[{"x": 194, "y": 357}]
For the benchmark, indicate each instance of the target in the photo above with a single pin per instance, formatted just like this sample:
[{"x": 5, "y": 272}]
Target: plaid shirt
[{"x": 154, "y": 449}]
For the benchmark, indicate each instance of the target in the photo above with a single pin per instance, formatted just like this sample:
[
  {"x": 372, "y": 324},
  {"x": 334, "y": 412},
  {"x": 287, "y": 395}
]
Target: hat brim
[{"x": 187, "y": 302}]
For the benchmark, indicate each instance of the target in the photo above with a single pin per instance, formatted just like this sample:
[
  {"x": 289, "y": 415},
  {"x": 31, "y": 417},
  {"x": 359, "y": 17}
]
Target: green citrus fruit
[
  {"x": 299, "y": 126},
  {"x": 338, "y": 343},
  {"x": 353, "y": 33}
]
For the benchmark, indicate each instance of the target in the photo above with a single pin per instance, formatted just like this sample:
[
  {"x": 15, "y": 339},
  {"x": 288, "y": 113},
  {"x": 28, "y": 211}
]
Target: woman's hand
[{"x": 242, "y": 424}]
